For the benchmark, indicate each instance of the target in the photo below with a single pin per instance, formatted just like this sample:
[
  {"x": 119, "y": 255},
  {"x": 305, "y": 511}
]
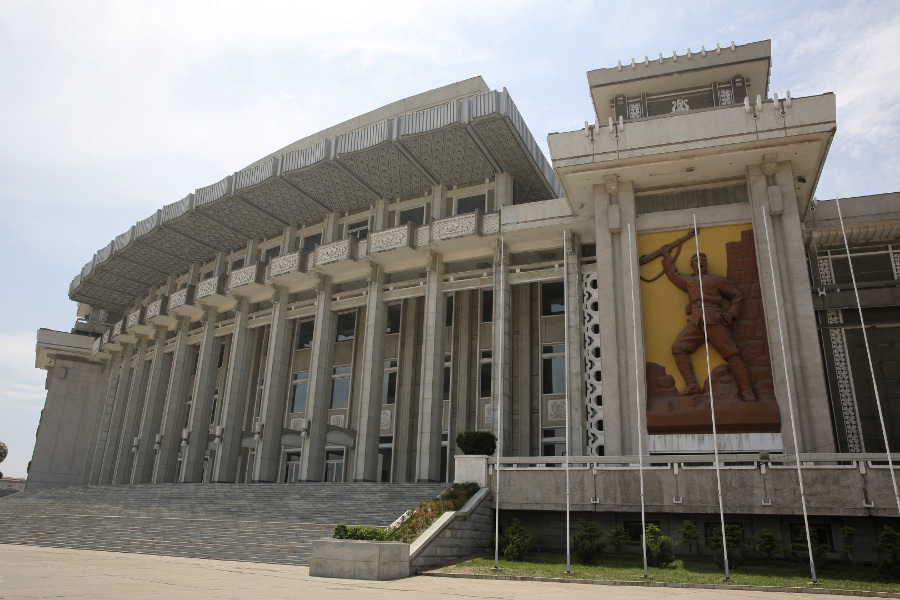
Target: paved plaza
[{"x": 31, "y": 572}]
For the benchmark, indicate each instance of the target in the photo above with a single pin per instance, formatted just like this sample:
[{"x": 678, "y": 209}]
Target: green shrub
[
  {"x": 516, "y": 541},
  {"x": 889, "y": 541},
  {"x": 819, "y": 549},
  {"x": 359, "y": 532},
  {"x": 737, "y": 545},
  {"x": 659, "y": 547},
  {"x": 589, "y": 543},
  {"x": 690, "y": 536},
  {"x": 766, "y": 542},
  {"x": 617, "y": 538},
  {"x": 476, "y": 442},
  {"x": 848, "y": 539}
]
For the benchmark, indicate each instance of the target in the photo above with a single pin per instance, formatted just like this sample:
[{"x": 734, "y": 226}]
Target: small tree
[
  {"x": 766, "y": 543},
  {"x": 617, "y": 538},
  {"x": 516, "y": 541},
  {"x": 819, "y": 548},
  {"x": 848, "y": 540},
  {"x": 589, "y": 543},
  {"x": 690, "y": 536},
  {"x": 889, "y": 541},
  {"x": 737, "y": 545},
  {"x": 476, "y": 442},
  {"x": 659, "y": 547}
]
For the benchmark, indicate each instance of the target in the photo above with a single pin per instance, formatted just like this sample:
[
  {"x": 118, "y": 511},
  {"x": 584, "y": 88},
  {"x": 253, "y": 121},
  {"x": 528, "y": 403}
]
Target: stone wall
[{"x": 455, "y": 535}]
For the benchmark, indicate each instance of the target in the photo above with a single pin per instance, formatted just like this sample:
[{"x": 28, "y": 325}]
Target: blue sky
[{"x": 108, "y": 110}]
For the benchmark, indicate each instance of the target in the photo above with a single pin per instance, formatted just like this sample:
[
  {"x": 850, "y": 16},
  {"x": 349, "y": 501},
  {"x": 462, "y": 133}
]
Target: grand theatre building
[{"x": 341, "y": 309}]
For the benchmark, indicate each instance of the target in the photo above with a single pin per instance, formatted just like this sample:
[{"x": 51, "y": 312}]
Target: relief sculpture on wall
[{"x": 726, "y": 314}]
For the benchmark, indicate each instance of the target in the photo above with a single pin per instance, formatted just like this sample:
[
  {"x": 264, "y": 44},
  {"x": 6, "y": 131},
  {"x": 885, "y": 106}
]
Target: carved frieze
[
  {"x": 423, "y": 236},
  {"x": 390, "y": 239},
  {"x": 336, "y": 420},
  {"x": 243, "y": 276},
  {"x": 288, "y": 263},
  {"x": 556, "y": 410},
  {"x": 208, "y": 287},
  {"x": 117, "y": 328},
  {"x": 178, "y": 298},
  {"x": 310, "y": 261},
  {"x": 593, "y": 379},
  {"x": 457, "y": 226},
  {"x": 154, "y": 309},
  {"x": 133, "y": 319},
  {"x": 490, "y": 224},
  {"x": 330, "y": 253},
  {"x": 385, "y": 420}
]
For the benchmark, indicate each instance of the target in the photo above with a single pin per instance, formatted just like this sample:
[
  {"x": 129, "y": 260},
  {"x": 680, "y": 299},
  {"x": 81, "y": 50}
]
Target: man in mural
[{"x": 707, "y": 313}]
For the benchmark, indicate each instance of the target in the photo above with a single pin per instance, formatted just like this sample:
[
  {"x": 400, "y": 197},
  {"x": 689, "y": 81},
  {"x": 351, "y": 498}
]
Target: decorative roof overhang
[{"x": 457, "y": 143}]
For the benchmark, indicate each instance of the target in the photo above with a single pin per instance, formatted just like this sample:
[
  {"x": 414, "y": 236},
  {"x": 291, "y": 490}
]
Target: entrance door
[{"x": 334, "y": 465}]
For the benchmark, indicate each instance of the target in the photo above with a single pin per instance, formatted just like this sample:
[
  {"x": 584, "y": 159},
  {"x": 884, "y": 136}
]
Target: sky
[{"x": 109, "y": 109}]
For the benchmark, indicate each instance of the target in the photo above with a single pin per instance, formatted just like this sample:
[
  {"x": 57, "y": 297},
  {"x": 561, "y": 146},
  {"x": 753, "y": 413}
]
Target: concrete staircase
[{"x": 274, "y": 523}]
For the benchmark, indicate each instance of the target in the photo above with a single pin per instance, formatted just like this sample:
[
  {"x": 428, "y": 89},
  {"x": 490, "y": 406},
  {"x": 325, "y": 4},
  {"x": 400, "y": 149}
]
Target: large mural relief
[{"x": 680, "y": 319}]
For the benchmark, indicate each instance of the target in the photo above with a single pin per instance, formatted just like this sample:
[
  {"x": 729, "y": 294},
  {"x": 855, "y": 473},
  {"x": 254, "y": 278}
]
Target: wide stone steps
[{"x": 259, "y": 523}]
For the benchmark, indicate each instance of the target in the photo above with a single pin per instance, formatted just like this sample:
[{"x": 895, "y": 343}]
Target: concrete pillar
[
  {"x": 98, "y": 421},
  {"x": 380, "y": 221},
  {"x": 271, "y": 416},
  {"x": 134, "y": 408},
  {"x": 115, "y": 422},
  {"x": 175, "y": 404},
  {"x": 407, "y": 400},
  {"x": 462, "y": 357},
  {"x": 204, "y": 387},
  {"x": 107, "y": 402},
  {"x": 153, "y": 405},
  {"x": 501, "y": 350},
  {"x": 431, "y": 398},
  {"x": 503, "y": 192},
  {"x": 438, "y": 195},
  {"x": 319, "y": 394},
  {"x": 371, "y": 380},
  {"x": 331, "y": 231},
  {"x": 288, "y": 239},
  {"x": 774, "y": 203},
  {"x": 234, "y": 398},
  {"x": 575, "y": 344},
  {"x": 522, "y": 369}
]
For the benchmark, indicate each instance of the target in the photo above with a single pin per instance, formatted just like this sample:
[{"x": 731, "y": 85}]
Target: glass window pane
[
  {"x": 486, "y": 380},
  {"x": 342, "y": 370},
  {"x": 554, "y": 349},
  {"x": 298, "y": 400},
  {"x": 448, "y": 319},
  {"x": 384, "y": 465},
  {"x": 305, "y": 335},
  {"x": 389, "y": 388},
  {"x": 340, "y": 392},
  {"x": 487, "y": 306},
  {"x": 272, "y": 253},
  {"x": 553, "y": 298},
  {"x": 311, "y": 241},
  {"x": 394, "y": 312},
  {"x": 360, "y": 229},
  {"x": 470, "y": 204},
  {"x": 238, "y": 264},
  {"x": 346, "y": 325},
  {"x": 553, "y": 375},
  {"x": 447, "y": 373},
  {"x": 416, "y": 216}
]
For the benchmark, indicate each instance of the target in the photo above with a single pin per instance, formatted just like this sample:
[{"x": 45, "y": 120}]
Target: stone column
[
  {"x": 575, "y": 344},
  {"x": 107, "y": 402},
  {"x": 134, "y": 408},
  {"x": 234, "y": 399},
  {"x": 98, "y": 421},
  {"x": 462, "y": 357},
  {"x": 405, "y": 408},
  {"x": 153, "y": 405},
  {"x": 115, "y": 423},
  {"x": 431, "y": 398},
  {"x": 501, "y": 344},
  {"x": 774, "y": 203},
  {"x": 268, "y": 446},
  {"x": 319, "y": 394},
  {"x": 522, "y": 364},
  {"x": 204, "y": 386},
  {"x": 371, "y": 380},
  {"x": 175, "y": 405}
]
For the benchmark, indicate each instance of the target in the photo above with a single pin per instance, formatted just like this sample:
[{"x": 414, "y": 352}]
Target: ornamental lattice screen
[{"x": 593, "y": 391}]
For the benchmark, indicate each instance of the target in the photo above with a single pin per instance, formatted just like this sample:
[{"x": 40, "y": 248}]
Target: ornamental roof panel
[{"x": 443, "y": 137}]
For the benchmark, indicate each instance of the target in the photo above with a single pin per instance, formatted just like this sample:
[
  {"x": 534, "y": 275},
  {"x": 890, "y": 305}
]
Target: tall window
[
  {"x": 553, "y": 369},
  {"x": 299, "y": 389},
  {"x": 470, "y": 204},
  {"x": 271, "y": 253},
  {"x": 553, "y": 299},
  {"x": 292, "y": 466},
  {"x": 385, "y": 458},
  {"x": 394, "y": 312},
  {"x": 389, "y": 388},
  {"x": 215, "y": 403},
  {"x": 237, "y": 264},
  {"x": 448, "y": 318},
  {"x": 359, "y": 230},
  {"x": 334, "y": 465},
  {"x": 346, "y": 327},
  {"x": 340, "y": 387},
  {"x": 553, "y": 441},
  {"x": 311, "y": 241},
  {"x": 416, "y": 216},
  {"x": 487, "y": 306},
  {"x": 305, "y": 334},
  {"x": 485, "y": 377}
]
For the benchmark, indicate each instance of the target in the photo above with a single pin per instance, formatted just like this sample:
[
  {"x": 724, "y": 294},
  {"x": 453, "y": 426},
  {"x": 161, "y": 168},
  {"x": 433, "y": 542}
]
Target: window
[
  {"x": 305, "y": 334},
  {"x": 416, "y": 216},
  {"x": 311, "y": 241},
  {"x": 553, "y": 299},
  {"x": 389, "y": 387},
  {"x": 394, "y": 312},
  {"x": 448, "y": 372},
  {"x": 470, "y": 204},
  {"x": 299, "y": 389},
  {"x": 448, "y": 318},
  {"x": 346, "y": 326},
  {"x": 340, "y": 387},
  {"x": 359, "y": 230},
  {"x": 187, "y": 411},
  {"x": 553, "y": 441},
  {"x": 486, "y": 371},
  {"x": 271, "y": 253},
  {"x": 385, "y": 458},
  {"x": 238, "y": 264},
  {"x": 553, "y": 369},
  {"x": 633, "y": 529},
  {"x": 292, "y": 466},
  {"x": 221, "y": 356},
  {"x": 487, "y": 306},
  {"x": 206, "y": 275},
  {"x": 215, "y": 402},
  {"x": 334, "y": 465}
]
